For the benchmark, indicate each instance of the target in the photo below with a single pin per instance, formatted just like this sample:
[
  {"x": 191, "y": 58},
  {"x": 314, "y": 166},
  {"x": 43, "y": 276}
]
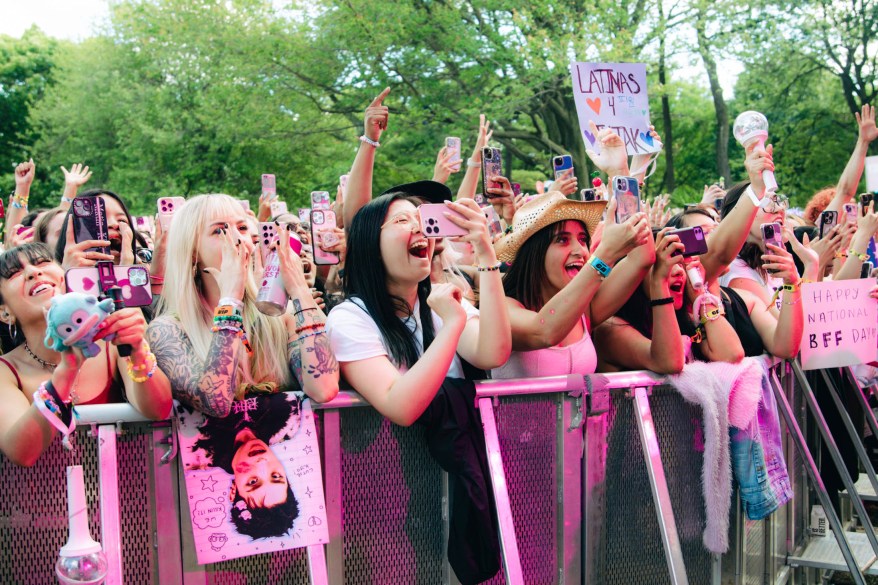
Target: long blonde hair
[{"x": 182, "y": 298}]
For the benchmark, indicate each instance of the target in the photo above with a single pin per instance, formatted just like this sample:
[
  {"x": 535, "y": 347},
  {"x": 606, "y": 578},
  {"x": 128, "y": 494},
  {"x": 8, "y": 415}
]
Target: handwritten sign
[
  {"x": 613, "y": 95},
  {"x": 841, "y": 320},
  {"x": 872, "y": 173},
  {"x": 253, "y": 480}
]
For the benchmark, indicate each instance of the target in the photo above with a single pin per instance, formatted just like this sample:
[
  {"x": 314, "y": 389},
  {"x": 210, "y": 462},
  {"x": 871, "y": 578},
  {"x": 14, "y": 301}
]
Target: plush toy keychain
[{"x": 72, "y": 321}]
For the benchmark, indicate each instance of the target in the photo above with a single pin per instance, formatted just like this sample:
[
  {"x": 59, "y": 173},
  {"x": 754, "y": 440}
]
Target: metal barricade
[{"x": 583, "y": 494}]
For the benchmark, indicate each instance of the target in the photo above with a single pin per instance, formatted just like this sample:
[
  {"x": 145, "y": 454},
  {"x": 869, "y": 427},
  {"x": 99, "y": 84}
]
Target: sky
[{"x": 78, "y": 19}]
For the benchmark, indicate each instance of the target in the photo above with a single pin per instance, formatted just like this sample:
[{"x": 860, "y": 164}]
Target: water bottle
[{"x": 272, "y": 298}]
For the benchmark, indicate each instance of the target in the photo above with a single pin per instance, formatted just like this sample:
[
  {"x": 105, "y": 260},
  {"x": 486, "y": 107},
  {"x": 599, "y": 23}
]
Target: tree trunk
[
  {"x": 719, "y": 103},
  {"x": 668, "y": 182}
]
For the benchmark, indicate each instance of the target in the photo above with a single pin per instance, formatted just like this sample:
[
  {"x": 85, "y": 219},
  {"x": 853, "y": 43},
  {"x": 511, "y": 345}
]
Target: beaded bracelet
[
  {"x": 314, "y": 334},
  {"x": 659, "y": 302},
  {"x": 369, "y": 141},
  {"x": 493, "y": 268},
  {"x": 841, "y": 254},
  {"x": 19, "y": 201},
  {"x": 140, "y": 379},
  {"x": 862, "y": 257},
  {"x": 304, "y": 328}
]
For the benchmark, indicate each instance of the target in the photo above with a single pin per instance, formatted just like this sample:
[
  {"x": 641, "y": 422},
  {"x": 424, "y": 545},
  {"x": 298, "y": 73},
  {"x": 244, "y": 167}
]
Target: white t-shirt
[
  {"x": 739, "y": 269},
  {"x": 354, "y": 335}
]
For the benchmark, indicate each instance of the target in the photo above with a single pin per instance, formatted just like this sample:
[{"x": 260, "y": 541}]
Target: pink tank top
[{"x": 577, "y": 358}]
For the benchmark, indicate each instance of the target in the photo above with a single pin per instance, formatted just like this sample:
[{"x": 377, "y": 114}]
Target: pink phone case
[
  {"x": 319, "y": 200},
  {"x": 167, "y": 206},
  {"x": 322, "y": 226},
  {"x": 268, "y": 236},
  {"x": 133, "y": 280},
  {"x": 278, "y": 207},
  {"x": 269, "y": 189},
  {"x": 435, "y": 225}
]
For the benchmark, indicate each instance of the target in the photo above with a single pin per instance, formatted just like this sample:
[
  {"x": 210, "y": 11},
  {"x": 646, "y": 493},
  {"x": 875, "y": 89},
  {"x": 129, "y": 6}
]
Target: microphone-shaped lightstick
[{"x": 752, "y": 127}]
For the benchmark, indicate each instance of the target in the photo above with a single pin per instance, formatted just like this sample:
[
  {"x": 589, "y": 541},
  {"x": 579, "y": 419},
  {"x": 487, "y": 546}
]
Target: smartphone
[
  {"x": 865, "y": 200},
  {"x": 694, "y": 242},
  {"x": 626, "y": 191},
  {"x": 2, "y": 211},
  {"x": 434, "y": 224},
  {"x": 97, "y": 280},
  {"x": 322, "y": 226},
  {"x": 495, "y": 228},
  {"x": 866, "y": 269},
  {"x": 245, "y": 204},
  {"x": 278, "y": 207},
  {"x": 492, "y": 166},
  {"x": 144, "y": 223},
  {"x": 772, "y": 234},
  {"x": 167, "y": 206},
  {"x": 269, "y": 188},
  {"x": 304, "y": 215},
  {"x": 516, "y": 189},
  {"x": 850, "y": 210},
  {"x": 480, "y": 200},
  {"x": 452, "y": 147},
  {"x": 90, "y": 221},
  {"x": 562, "y": 164},
  {"x": 587, "y": 195},
  {"x": 828, "y": 220},
  {"x": 268, "y": 236},
  {"x": 320, "y": 200},
  {"x": 343, "y": 183},
  {"x": 688, "y": 206}
]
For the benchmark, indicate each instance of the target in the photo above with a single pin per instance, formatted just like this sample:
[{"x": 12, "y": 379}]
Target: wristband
[
  {"x": 712, "y": 315},
  {"x": 759, "y": 203},
  {"x": 508, "y": 230},
  {"x": 369, "y": 141},
  {"x": 602, "y": 268},
  {"x": 862, "y": 257},
  {"x": 493, "y": 268},
  {"x": 660, "y": 302},
  {"x": 473, "y": 164},
  {"x": 226, "y": 311},
  {"x": 235, "y": 303},
  {"x": 66, "y": 199},
  {"x": 156, "y": 279},
  {"x": 791, "y": 287},
  {"x": 58, "y": 414}
]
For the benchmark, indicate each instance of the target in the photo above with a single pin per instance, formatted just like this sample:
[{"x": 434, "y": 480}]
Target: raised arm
[
  {"x": 359, "y": 187},
  {"x": 17, "y": 209},
  {"x": 470, "y": 183},
  {"x": 853, "y": 171},
  {"x": 76, "y": 177},
  {"x": 729, "y": 236},
  {"x": 867, "y": 226}
]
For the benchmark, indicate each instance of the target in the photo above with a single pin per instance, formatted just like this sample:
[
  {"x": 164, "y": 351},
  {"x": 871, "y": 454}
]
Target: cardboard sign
[
  {"x": 872, "y": 173},
  {"x": 841, "y": 320},
  {"x": 613, "y": 95},
  {"x": 253, "y": 479}
]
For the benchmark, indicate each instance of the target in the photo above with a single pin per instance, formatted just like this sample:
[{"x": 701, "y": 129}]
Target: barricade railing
[{"x": 564, "y": 460}]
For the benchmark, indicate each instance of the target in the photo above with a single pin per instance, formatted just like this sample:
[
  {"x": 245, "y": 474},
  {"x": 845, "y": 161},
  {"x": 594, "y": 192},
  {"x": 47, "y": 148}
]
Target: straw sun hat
[{"x": 544, "y": 211}]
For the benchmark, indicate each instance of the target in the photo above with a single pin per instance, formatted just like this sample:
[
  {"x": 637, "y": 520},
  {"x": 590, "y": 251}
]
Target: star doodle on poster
[
  {"x": 307, "y": 449},
  {"x": 209, "y": 483},
  {"x": 309, "y": 491},
  {"x": 308, "y": 432}
]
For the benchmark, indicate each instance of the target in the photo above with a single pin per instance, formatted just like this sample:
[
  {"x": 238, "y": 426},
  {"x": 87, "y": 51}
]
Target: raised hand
[
  {"x": 21, "y": 235},
  {"x": 159, "y": 255},
  {"x": 126, "y": 252},
  {"x": 445, "y": 300},
  {"x": 619, "y": 239},
  {"x": 613, "y": 158},
  {"x": 757, "y": 161},
  {"x": 779, "y": 261},
  {"x": 665, "y": 247},
  {"x": 809, "y": 256},
  {"x": 24, "y": 176},
  {"x": 476, "y": 224},
  {"x": 485, "y": 133},
  {"x": 656, "y": 211},
  {"x": 711, "y": 194},
  {"x": 291, "y": 270},
  {"x": 78, "y": 254},
  {"x": 375, "y": 120},
  {"x": 77, "y": 176},
  {"x": 443, "y": 168},
  {"x": 866, "y": 122},
  {"x": 566, "y": 183}
]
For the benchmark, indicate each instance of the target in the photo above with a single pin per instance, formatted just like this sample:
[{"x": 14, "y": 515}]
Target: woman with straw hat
[{"x": 557, "y": 290}]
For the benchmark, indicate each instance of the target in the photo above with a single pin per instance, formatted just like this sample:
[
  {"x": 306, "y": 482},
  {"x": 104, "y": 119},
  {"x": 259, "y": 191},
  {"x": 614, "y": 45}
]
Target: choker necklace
[{"x": 42, "y": 362}]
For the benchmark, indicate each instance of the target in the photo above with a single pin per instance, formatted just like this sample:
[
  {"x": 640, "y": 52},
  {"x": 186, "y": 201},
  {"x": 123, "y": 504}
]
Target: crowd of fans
[{"x": 560, "y": 288}]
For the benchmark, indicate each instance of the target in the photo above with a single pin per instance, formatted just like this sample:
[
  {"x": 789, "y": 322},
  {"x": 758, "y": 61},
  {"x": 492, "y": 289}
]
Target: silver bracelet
[{"x": 472, "y": 164}]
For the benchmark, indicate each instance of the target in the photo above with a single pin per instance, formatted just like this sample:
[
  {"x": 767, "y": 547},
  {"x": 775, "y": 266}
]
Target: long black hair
[
  {"x": 365, "y": 278},
  {"x": 137, "y": 240},
  {"x": 750, "y": 253},
  {"x": 523, "y": 282},
  {"x": 10, "y": 263}
]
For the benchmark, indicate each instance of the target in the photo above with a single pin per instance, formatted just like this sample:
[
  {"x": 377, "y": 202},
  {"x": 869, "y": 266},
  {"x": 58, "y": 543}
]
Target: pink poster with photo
[
  {"x": 841, "y": 320},
  {"x": 613, "y": 95},
  {"x": 253, "y": 479}
]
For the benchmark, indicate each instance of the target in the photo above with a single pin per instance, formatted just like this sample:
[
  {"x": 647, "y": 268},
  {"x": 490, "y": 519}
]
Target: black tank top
[{"x": 739, "y": 317}]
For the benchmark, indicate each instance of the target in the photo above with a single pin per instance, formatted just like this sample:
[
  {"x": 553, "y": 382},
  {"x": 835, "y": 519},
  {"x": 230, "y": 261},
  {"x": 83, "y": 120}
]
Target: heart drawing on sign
[
  {"x": 594, "y": 104},
  {"x": 647, "y": 138},
  {"x": 589, "y": 136}
]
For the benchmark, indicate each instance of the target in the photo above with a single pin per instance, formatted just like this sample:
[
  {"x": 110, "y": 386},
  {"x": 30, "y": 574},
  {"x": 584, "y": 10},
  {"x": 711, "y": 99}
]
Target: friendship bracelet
[
  {"x": 493, "y": 268},
  {"x": 660, "y": 302},
  {"x": 308, "y": 327},
  {"x": 305, "y": 309},
  {"x": 314, "y": 334},
  {"x": 795, "y": 302},
  {"x": 156, "y": 279},
  {"x": 841, "y": 254},
  {"x": 791, "y": 287},
  {"x": 140, "y": 379},
  {"x": 862, "y": 257},
  {"x": 369, "y": 141},
  {"x": 54, "y": 411}
]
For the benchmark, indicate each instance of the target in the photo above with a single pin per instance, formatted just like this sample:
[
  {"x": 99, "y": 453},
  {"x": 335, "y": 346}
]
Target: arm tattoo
[
  {"x": 300, "y": 316},
  {"x": 326, "y": 362},
  {"x": 207, "y": 386}
]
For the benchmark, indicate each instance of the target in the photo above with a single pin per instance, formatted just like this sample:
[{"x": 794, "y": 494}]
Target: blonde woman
[{"x": 212, "y": 345}]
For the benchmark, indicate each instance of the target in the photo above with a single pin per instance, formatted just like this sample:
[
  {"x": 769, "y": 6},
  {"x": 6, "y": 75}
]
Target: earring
[{"x": 13, "y": 330}]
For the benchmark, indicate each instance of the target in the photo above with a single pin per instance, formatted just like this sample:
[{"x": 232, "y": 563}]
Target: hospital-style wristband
[{"x": 602, "y": 268}]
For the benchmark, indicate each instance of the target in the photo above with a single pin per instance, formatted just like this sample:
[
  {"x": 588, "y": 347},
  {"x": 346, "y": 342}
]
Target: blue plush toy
[{"x": 72, "y": 321}]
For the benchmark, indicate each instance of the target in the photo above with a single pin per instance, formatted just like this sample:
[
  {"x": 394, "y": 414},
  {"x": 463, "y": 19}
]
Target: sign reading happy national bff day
[
  {"x": 841, "y": 320},
  {"x": 613, "y": 95}
]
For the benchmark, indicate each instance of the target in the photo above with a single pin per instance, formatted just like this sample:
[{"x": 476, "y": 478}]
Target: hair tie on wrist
[{"x": 659, "y": 302}]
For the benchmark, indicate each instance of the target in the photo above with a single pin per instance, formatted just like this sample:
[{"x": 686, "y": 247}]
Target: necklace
[{"x": 42, "y": 362}]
